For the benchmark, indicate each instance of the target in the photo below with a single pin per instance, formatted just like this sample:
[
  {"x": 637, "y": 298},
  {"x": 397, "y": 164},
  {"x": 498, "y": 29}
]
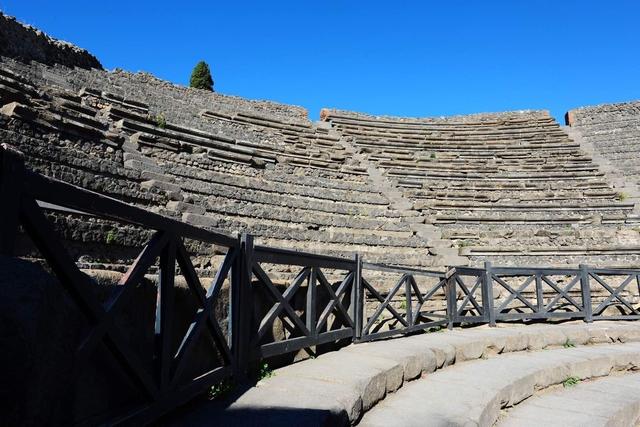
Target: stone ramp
[
  {"x": 339, "y": 388},
  {"x": 611, "y": 401}
]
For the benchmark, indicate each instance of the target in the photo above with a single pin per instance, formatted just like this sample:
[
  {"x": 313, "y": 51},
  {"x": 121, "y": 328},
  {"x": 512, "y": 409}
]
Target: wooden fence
[{"x": 351, "y": 307}]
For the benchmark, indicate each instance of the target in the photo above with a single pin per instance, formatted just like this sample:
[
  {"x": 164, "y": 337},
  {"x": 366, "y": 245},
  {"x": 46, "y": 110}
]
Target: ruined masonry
[{"x": 512, "y": 188}]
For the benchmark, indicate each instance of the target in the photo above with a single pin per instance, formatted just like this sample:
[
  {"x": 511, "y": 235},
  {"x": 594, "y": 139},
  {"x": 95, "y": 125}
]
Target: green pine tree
[{"x": 201, "y": 77}]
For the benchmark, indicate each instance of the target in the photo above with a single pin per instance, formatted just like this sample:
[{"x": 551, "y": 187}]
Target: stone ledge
[{"x": 611, "y": 401}]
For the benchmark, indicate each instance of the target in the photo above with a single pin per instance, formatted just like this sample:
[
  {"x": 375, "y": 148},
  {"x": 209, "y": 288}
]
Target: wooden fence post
[
  {"x": 311, "y": 303},
  {"x": 359, "y": 299},
  {"x": 11, "y": 177},
  {"x": 585, "y": 288},
  {"x": 408, "y": 300},
  {"x": 450, "y": 277},
  {"x": 242, "y": 308},
  {"x": 487, "y": 293}
]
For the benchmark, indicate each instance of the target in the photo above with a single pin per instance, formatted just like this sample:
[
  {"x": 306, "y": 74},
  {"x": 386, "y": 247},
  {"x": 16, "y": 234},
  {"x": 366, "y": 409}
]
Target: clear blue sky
[{"x": 408, "y": 58}]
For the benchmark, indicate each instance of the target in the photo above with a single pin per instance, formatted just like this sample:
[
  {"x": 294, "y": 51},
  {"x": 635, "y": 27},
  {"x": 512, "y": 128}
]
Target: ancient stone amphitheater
[{"x": 400, "y": 225}]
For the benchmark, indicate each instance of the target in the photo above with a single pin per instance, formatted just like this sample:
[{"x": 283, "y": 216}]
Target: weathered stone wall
[
  {"x": 613, "y": 130},
  {"x": 26, "y": 43}
]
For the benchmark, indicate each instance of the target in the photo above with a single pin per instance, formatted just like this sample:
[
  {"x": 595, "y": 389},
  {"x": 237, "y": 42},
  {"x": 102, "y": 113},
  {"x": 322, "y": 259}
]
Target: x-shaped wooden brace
[
  {"x": 79, "y": 286},
  {"x": 562, "y": 293},
  {"x": 336, "y": 300},
  {"x": 385, "y": 303},
  {"x": 426, "y": 297},
  {"x": 513, "y": 294},
  {"x": 614, "y": 293},
  {"x": 281, "y": 301},
  {"x": 469, "y": 298},
  {"x": 205, "y": 316}
]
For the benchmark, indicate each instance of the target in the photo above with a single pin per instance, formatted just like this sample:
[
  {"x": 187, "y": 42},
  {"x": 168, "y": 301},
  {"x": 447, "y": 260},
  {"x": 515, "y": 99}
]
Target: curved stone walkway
[
  {"x": 338, "y": 388},
  {"x": 473, "y": 393}
]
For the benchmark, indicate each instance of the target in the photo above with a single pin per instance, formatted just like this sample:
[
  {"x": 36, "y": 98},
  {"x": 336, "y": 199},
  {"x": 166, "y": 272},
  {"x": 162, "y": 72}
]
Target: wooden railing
[{"x": 343, "y": 299}]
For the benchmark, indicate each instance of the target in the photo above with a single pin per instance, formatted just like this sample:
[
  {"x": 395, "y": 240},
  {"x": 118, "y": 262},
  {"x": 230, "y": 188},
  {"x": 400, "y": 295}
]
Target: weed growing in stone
[
  {"x": 161, "y": 122},
  {"x": 266, "y": 372},
  {"x": 570, "y": 382},
  {"x": 568, "y": 344},
  {"x": 221, "y": 389},
  {"x": 111, "y": 237}
]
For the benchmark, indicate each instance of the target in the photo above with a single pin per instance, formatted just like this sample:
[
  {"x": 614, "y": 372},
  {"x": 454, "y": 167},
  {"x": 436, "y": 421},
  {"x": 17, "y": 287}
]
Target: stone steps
[
  {"x": 292, "y": 231},
  {"x": 522, "y": 196},
  {"x": 506, "y": 176},
  {"x": 474, "y": 393},
  {"x": 524, "y": 218},
  {"x": 609, "y": 401},
  {"x": 193, "y": 180},
  {"x": 549, "y": 207},
  {"x": 478, "y": 150},
  {"x": 366, "y": 382}
]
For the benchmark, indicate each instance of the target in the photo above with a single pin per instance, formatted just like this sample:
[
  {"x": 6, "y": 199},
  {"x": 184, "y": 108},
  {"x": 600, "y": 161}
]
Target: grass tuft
[{"x": 570, "y": 382}]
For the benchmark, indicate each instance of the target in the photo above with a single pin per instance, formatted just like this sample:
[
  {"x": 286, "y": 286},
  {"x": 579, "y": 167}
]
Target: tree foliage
[{"x": 201, "y": 77}]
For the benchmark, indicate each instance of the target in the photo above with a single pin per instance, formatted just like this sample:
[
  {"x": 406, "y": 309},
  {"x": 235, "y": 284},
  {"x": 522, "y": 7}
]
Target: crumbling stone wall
[
  {"x": 26, "y": 43},
  {"x": 175, "y": 102}
]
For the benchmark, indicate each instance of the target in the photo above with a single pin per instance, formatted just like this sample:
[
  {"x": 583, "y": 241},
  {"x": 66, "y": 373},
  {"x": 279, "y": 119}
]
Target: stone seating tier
[
  {"x": 525, "y": 195},
  {"x": 132, "y": 122},
  {"x": 480, "y": 119},
  {"x": 610, "y": 401},
  {"x": 148, "y": 165},
  {"x": 613, "y": 130},
  {"x": 427, "y": 377}
]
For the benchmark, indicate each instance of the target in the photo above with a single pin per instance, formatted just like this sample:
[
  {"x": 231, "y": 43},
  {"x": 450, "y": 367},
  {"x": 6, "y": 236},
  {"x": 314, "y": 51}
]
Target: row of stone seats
[
  {"x": 147, "y": 164},
  {"x": 614, "y": 132},
  {"x": 152, "y": 130},
  {"x": 318, "y": 214},
  {"x": 460, "y": 377},
  {"x": 610, "y": 401},
  {"x": 465, "y": 394},
  {"x": 311, "y": 138},
  {"x": 15, "y": 88},
  {"x": 182, "y": 106},
  {"x": 507, "y": 171}
]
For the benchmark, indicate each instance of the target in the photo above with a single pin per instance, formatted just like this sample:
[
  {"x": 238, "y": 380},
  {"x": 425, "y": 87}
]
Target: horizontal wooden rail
[{"x": 62, "y": 194}]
